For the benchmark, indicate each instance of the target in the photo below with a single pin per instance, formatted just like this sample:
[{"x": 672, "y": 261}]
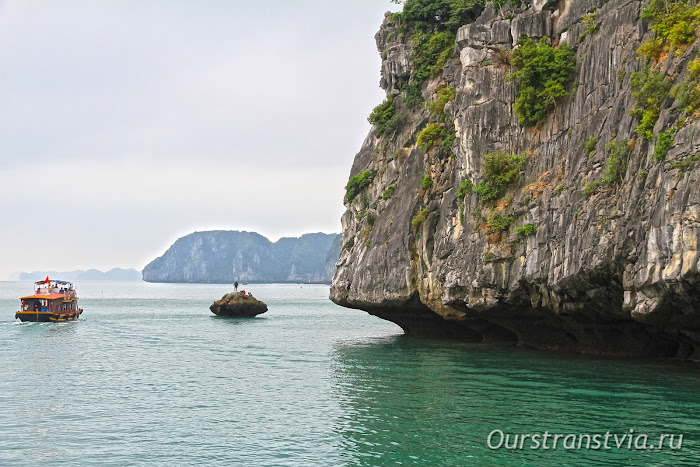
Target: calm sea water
[{"x": 150, "y": 376}]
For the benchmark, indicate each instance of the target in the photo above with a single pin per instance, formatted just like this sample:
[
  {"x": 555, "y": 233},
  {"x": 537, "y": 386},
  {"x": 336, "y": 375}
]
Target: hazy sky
[{"x": 125, "y": 125}]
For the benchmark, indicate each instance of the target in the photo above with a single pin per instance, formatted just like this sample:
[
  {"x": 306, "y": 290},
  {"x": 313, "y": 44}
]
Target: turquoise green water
[{"x": 149, "y": 376}]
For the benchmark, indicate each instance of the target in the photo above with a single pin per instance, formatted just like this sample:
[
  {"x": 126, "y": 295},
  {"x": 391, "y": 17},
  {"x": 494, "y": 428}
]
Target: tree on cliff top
[{"x": 444, "y": 14}]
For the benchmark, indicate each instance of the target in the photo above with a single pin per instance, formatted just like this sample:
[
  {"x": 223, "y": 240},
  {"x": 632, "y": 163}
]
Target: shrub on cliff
[
  {"x": 619, "y": 152},
  {"x": 497, "y": 222},
  {"x": 590, "y": 146},
  {"x": 541, "y": 76},
  {"x": 688, "y": 92},
  {"x": 449, "y": 138},
  {"x": 429, "y": 136},
  {"x": 421, "y": 217},
  {"x": 443, "y": 14},
  {"x": 431, "y": 52},
  {"x": 357, "y": 183},
  {"x": 500, "y": 172},
  {"x": 515, "y": 3},
  {"x": 616, "y": 165},
  {"x": 526, "y": 230},
  {"x": 389, "y": 192},
  {"x": 437, "y": 134},
  {"x": 413, "y": 95},
  {"x": 650, "y": 87},
  {"x": 675, "y": 23},
  {"x": 386, "y": 118},
  {"x": 663, "y": 144},
  {"x": 437, "y": 107},
  {"x": 465, "y": 187},
  {"x": 433, "y": 25}
]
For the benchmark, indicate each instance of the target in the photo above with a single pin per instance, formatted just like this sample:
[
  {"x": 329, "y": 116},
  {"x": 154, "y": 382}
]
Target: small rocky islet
[{"x": 238, "y": 305}]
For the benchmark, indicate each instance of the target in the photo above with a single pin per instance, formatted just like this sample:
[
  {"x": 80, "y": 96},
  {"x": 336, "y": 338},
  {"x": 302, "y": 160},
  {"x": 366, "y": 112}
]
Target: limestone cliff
[
  {"x": 228, "y": 256},
  {"x": 607, "y": 268}
]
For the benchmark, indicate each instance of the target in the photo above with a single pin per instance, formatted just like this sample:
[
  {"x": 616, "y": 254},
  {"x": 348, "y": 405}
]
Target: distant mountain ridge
[
  {"x": 116, "y": 274},
  {"x": 223, "y": 256}
]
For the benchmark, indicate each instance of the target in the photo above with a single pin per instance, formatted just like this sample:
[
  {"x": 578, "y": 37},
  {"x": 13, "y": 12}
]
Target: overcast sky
[{"x": 125, "y": 125}]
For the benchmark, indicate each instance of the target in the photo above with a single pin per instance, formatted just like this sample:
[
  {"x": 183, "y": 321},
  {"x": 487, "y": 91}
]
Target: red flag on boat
[{"x": 47, "y": 279}]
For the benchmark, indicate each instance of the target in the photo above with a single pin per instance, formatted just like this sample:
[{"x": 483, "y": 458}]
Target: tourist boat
[{"x": 52, "y": 301}]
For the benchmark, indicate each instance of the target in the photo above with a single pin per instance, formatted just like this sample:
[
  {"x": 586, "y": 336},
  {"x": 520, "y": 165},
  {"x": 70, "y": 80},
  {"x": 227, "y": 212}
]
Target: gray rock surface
[
  {"x": 238, "y": 305},
  {"x": 228, "y": 256},
  {"x": 617, "y": 273}
]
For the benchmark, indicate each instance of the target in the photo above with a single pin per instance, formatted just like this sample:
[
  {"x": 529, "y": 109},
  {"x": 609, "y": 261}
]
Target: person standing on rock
[{"x": 235, "y": 286}]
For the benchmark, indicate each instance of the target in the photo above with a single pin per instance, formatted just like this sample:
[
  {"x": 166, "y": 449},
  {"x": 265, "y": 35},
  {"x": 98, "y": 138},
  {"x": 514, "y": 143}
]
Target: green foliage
[
  {"x": 501, "y": 171},
  {"x": 383, "y": 112},
  {"x": 541, "y": 75},
  {"x": 621, "y": 75},
  {"x": 389, "y": 192},
  {"x": 433, "y": 25},
  {"x": 431, "y": 52},
  {"x": 688, "y": 92},
  {"x": 642, "y": 174},
  {"x": 441, "y": 14},
  {"x": 559, "y": 189},
  {"x": 429, "y": 136},
  {"x": 489, "y": 256},
  {"x": 445, "y": 95},
  {"x": 526, "y": 230},
  {"x": 514, "y": 3},
  {"x": 421, "y": 217},
  {"x": 349, "y": 244},
  {"x": 447, "y": 142},
  {"x": 385, "y": 117},
  {"x": 590, "y": 146},
  {"x": 413, "y": 95},
  {"x": 357, "y": 183},
  {"x": 395, "y": 123},
  {"x": 650, "y": 88},
  {"x": 426, "y": 183},
  {"x": 465, "y": 187},
  {"x": 487, "y": 192},
  {"x": 616, "y": 165},
  {"x": 651, "y": 49},
  {"x": 689, "y": 163},
  {"x": 663, "y": 144},
  {"x": 499, "y": 222},
  {"x": 675, "y": 23},
  {"x": 477, "y": 213},
  {"x": 371, "y": 218},
  {"x": 437, "y": 134},
  {"x": 589, "y": 26},
  {"x": 592, "y": 188}
]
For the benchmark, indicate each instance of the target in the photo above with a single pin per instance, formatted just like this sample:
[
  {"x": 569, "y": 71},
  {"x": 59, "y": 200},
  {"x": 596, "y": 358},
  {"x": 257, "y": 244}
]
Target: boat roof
[
  {"x": 45, "y": 296},
  {"x": 44, "y": 281}
]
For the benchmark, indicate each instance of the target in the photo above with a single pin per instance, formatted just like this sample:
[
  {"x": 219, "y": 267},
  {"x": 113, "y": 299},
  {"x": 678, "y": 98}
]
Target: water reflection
[{"x": 416, "y": 401}]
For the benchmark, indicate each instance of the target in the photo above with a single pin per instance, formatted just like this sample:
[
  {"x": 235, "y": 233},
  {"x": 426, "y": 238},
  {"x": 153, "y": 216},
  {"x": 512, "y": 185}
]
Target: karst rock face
[
  {"x": 222, "y": 257},
  {"x": 615, "y": 272}
]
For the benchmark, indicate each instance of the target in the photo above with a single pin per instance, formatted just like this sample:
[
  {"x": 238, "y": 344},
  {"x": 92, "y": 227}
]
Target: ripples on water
[{"x": 149, "y": 376}]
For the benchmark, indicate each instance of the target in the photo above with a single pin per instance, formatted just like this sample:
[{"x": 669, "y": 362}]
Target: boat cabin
[{"x": 52, "y": 300}]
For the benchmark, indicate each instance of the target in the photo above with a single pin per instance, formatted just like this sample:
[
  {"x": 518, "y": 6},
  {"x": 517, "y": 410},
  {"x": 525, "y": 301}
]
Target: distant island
[
  {"x": 227, "y": 256},
  {"x": 116, "y": 274}
]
